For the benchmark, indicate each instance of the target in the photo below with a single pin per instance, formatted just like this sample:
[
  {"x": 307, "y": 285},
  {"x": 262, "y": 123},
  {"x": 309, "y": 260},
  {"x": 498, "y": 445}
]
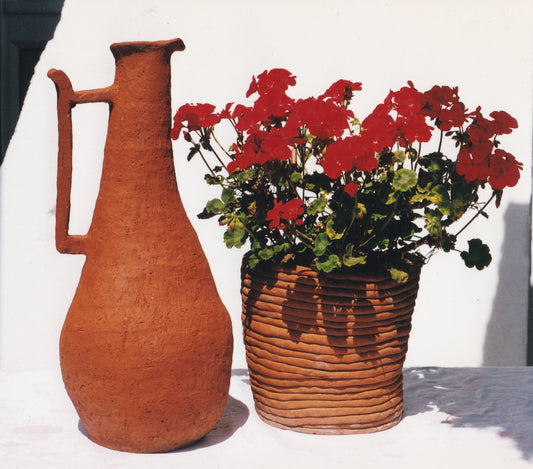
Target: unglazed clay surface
[
  {"x": 326, "y": 355},
  {"x": 146, "y": 346}
]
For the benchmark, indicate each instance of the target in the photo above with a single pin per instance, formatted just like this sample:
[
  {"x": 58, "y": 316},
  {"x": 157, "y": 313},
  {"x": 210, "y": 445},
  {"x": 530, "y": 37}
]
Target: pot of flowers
[{"x": 339, "y": 215}]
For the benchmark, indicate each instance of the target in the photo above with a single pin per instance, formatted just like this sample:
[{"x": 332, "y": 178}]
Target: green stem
[
  {"x": 354, "y": 215},
  {"x": 304, "y": 239},
  {"x": 206, "y": 163},
  {"x": 477, "y": 214},
  {"x": 205, "y": 136},
  {"x": 220, "y": 146},
  {"x": 389, "y": 218},
  {"x": 250, "y": 232},
  {"x": 414, "y": 245}
]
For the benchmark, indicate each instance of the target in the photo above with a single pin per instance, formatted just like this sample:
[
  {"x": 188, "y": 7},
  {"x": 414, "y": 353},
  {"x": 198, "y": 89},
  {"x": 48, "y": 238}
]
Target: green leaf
[
  {"x": 392, "y": 198},
  {"x": 335, "y": 228},
  {"x": 228, "y": 195},
  {"x": 253, "y": 260},
  {"x": 350, "y": 261},
  {"x": 212, "y": 180},
  {"x": 399, "y": 156},
  {"x": 399, "y": 276},
  {"x": 317, "y": 206},
  {"x": 266, "y": 254},
  {"x": 328, "y": 264},
  {"x": 193, "y": 150},
  {"x": 296, "y": 177},
  {"x": 235, "y": 238},
  {"x": 215, "y": 206},
  {"x": 378, "y": 216},
  {"x": 478, "y": 254},
  {"x": 433, "y": 223},
  {"x": 448, "y": 243},
  {"x": 360, "y": 210},
  {"x": 404, "y": 179},
  {"x": 321, "y": 244},
  {"x": 285, "y": 247},
  {"x": 383, "y": 243}
]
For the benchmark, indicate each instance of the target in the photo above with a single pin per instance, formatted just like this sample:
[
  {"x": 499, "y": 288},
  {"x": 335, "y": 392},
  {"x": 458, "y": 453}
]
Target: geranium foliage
[{"x": 305, "y": 180}]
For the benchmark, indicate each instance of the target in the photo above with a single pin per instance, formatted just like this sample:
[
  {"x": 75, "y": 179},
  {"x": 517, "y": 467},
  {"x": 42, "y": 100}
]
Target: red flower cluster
[
  {"x": 378, "y": 131},
  {"x": 290, "y": 210},
  {"x": 275, "y": 124},
  {"x": 442, "y": 104},
  {"x": 479, "y": 160}
]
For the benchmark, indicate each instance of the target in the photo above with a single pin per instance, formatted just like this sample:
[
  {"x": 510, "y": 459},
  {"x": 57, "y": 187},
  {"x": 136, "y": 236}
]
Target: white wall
[{"x": 463, "y": 317}]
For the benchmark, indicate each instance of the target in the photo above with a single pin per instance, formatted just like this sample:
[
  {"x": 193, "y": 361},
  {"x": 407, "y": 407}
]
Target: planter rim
[{"x": 362, "y": 273}]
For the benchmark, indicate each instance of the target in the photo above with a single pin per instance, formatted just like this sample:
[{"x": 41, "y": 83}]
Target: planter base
[{"x": 325, "y": 355}]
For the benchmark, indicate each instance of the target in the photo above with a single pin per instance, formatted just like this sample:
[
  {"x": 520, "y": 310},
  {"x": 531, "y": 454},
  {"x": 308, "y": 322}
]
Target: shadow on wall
[{"x": 506, "y": 336}]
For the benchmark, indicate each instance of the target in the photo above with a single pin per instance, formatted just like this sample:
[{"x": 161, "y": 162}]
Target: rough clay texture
[
  {"x": 326, "y": 355},
  {"x": 146, "y": 346}
]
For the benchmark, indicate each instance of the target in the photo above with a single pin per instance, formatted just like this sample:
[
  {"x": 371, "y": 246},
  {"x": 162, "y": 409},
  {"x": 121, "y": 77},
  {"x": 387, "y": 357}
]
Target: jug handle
[{"x": 67, "y": 98}]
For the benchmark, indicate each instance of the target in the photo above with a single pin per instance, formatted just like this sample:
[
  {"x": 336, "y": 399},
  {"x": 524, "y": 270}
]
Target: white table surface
[{"x": 454, "y": 418}]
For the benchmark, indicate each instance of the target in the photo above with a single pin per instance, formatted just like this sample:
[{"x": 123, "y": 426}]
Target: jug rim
[{"x": 120, "y": 49}]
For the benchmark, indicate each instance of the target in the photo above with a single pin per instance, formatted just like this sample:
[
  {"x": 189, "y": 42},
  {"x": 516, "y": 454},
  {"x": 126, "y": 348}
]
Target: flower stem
[
  {"x": 304, "y": 239},
  {"x": 440, "y": 141},
  {"x": 479, "y": 212},
  {"x": 206, "y": 163}
]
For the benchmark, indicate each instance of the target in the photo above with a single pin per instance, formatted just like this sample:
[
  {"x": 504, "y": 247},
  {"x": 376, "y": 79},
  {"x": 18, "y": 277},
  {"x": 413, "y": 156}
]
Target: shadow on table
[
  {"x": 476, "y": 398},
  {"x": 234, "y": 416}
]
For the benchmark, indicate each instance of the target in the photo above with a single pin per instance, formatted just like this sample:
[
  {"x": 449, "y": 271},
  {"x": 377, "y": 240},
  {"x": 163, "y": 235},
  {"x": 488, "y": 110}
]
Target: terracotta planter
[
  {"x": 325, "y": 356},
  {"x": 146, "y": 346}
]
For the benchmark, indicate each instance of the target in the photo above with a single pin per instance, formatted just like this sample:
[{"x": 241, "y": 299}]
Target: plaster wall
[{"x": 463, "y": 317}]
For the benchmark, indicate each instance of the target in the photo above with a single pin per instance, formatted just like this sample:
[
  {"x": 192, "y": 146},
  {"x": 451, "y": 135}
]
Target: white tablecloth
[{"x": 454, "y": 418}]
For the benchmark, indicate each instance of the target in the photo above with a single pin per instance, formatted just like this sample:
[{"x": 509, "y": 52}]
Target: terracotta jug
[{"x": 146, "y": 346}]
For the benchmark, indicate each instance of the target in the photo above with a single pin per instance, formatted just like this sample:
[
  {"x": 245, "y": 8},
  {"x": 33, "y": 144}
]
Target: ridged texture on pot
[{"x": 326, "y": 356}]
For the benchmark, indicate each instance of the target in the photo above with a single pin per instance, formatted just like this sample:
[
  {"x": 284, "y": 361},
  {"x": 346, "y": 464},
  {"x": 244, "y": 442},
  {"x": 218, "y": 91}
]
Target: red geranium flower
[
  {"x": 274, "y": 81},
  {"x": 339, "y": 157},
  {"x": 341, "y": 90},
  {"x": 290, "y": 210},
  {"x": 503, "y": 123},
  {"x": 472, "y": 170},
  {"x": 198, "y": 116},
  {"x": 380, "y": 128},
  {"x": 480, "y": 144},
  {"x": 274, "y": 214},
  {"x": 455, "y": 116},
  {"x": 413, "y": 129},
  {"x": 345, "y": 154},
  {"x": 323, "y": 119},
  {"x": 438, "y": 97},
  {"x": 407, "y": 101},
  {"x": 226, "y": 112},
  {"x": 504, "y": 170},
  {"x": 351, "y": 188},
  {"x": 260, "y": 147}
]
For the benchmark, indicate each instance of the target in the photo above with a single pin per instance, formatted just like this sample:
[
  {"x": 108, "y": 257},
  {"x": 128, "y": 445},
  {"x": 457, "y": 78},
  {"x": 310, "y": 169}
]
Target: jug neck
[{"x": 143, "y": 68}]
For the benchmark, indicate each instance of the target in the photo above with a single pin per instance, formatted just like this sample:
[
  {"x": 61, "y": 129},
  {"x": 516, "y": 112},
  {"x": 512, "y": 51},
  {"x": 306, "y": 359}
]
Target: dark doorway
[{"x": 26, "y": 26}]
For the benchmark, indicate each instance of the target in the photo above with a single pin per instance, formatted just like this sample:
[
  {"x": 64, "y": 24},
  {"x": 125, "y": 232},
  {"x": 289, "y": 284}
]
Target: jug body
[{"x": 146, "y": 346}]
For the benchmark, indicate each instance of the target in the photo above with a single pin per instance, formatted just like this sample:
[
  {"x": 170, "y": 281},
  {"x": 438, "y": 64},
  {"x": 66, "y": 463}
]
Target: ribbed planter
[{"x": 325, "y": 355}]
